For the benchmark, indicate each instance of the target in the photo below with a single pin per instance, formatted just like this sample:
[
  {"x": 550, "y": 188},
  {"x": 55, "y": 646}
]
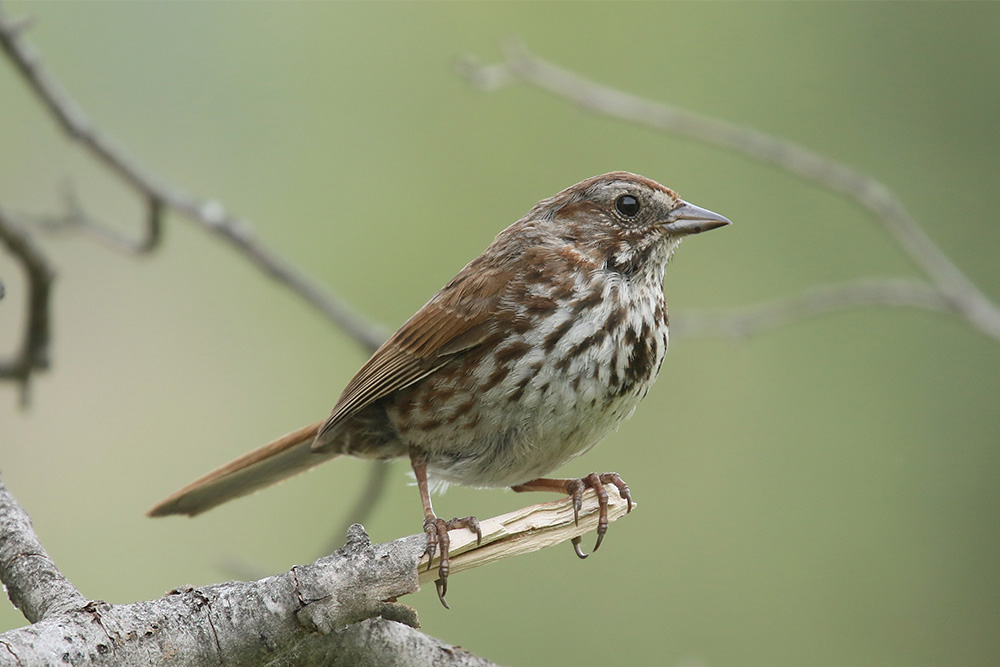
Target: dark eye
[{"x": 627, "y": 205}]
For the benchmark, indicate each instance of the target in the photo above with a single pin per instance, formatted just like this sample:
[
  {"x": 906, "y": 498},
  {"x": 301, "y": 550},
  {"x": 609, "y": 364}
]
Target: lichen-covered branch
[{"x": 340, "y": 609}]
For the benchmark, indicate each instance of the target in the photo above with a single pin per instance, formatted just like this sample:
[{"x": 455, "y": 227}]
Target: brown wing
[{"x": 461, "y": 316}]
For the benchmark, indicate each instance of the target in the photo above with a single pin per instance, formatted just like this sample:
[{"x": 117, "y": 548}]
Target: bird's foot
[
  {"x": 438, "y": 541},
  {"x": 574, "y": 488}
]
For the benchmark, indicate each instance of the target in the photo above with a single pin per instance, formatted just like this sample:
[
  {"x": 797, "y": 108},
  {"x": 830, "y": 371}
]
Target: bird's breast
[{"x": 504, "y": 414}]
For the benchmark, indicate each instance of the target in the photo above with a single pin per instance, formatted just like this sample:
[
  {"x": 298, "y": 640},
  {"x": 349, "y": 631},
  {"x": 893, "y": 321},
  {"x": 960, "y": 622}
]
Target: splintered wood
[{"x": 523, "y": 531}]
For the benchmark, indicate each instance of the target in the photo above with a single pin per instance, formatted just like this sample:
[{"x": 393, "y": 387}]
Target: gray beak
[{"x": 690, "y": 219}]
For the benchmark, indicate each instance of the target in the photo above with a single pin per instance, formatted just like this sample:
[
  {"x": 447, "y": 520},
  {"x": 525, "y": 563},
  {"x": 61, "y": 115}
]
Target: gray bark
[{"x": 339, "y": 610}]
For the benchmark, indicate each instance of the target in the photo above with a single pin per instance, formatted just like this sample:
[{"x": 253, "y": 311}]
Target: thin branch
[
  {"x": 33, "y": 354},
  {"x": 76, "y": 219},
  {"x": 964, "y": 298},
  {"x": 811, "y": 303},
  {"x": 526, "y": 530},
  {"x": 208, "y": 214}
]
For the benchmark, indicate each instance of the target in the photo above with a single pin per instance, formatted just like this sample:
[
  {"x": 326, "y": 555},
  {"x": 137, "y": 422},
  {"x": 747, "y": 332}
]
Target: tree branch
[
  {"x": 960, "y": 296},
  {"x": 810, "y": 303},
  {"x": 340, "y": 609},
  {"x": 33, "y": 354},
  {"x": 525, "y": 530},
  {"x": 33, "y": 582},
  {"x": 76, "y": 219},
  {"x": 208, "y": 214}
]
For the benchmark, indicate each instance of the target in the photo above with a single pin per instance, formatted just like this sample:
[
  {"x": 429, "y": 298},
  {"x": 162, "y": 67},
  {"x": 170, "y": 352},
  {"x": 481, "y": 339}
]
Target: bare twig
[
  {"x": 76, "y": 219},
  {"x": 209, "y": 215},
  {"x": 814, "y": 302},
  {"x": 957, "y": 293},
  {"x": 33, "y": 354}
]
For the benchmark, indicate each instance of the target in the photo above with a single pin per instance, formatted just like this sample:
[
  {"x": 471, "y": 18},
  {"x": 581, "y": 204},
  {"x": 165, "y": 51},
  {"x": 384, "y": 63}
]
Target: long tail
[{"x": 286, "y": 456}]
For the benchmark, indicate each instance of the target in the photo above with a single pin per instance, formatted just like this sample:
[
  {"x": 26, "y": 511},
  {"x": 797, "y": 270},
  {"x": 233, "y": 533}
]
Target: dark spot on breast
[
  {"x": 631, "y": 337},
  {"x": 496, "y": 377},
  {"x": 593, "y": 340},
  {"x": 512, "y": 352},
  {"x": 552, "y": 339},
  {"x": 640, "y": 365},
  {"x": 615, "y": 320},
  {"x": 660, "y": 312},
  {"x": 442, "y": 394},
  {"x": 516, "y": 395},
  {"x": 521, "y": 325},
  {"x": 536, "y": 305},
  {"x": 433, "y": 395},
  {"x": 591, "y": 300},
  {"x": 563, "y": 364},
  {"x": 561, "y": 290}
]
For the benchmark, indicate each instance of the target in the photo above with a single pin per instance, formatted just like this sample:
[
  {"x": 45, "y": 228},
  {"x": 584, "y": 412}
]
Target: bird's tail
[{"x": 286, "y": 456}]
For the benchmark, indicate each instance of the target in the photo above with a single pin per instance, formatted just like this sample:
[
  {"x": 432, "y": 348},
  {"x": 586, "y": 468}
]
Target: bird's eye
[{"x": 627, "y": 205}]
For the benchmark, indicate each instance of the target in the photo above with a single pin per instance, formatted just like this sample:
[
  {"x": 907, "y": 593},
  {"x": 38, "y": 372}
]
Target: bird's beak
[{"x": 690, "y": 219}]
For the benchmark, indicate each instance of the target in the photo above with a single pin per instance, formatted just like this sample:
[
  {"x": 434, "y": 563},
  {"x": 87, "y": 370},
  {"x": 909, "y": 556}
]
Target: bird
[{"x": 526, "y": 359}]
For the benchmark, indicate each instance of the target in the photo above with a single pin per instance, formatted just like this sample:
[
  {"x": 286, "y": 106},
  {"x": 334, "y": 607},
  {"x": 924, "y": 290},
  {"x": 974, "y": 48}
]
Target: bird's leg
[
  {"x": 574, "y": 488},
  {"x": 437, "y": 528}
]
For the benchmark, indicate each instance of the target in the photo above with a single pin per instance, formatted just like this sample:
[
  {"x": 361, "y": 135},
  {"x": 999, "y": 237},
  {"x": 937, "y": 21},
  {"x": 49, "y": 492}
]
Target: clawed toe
[
  {"x": 575, "y": 489},
  {"x": 470, "y": 522},
  {"x": 439, "y": 542}
]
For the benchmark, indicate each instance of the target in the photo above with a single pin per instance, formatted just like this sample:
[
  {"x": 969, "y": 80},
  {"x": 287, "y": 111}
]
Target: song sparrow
[{"x": 527, "y": 358}]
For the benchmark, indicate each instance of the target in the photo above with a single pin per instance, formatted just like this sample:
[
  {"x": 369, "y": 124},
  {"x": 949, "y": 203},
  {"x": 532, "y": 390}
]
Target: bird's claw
[
  {"x": 436, "y": 530},
  {"x": 596, "y": 482}
]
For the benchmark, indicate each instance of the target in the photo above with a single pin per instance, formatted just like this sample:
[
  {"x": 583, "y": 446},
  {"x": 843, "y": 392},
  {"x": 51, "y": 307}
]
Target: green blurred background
[{"x": 824, "y": 494}]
